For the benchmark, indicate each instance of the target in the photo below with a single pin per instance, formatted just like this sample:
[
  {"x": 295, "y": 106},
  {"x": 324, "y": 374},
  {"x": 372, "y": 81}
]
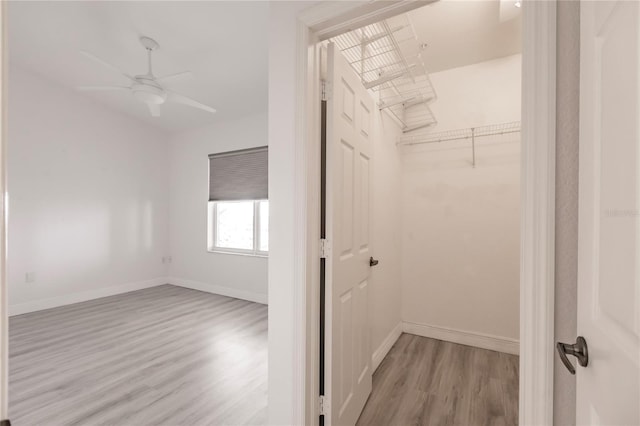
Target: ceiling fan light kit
[
  {"x": 149, "y": 94},
  {"x": 147, "y": 88}
]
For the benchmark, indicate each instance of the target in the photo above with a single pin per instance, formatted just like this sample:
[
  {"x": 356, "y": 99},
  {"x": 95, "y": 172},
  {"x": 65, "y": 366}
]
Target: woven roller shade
[{"x": 239, "y": 175}]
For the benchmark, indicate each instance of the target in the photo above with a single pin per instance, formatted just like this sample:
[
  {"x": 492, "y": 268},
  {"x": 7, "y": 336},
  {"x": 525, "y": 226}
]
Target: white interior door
[
  {"x": 608, "y": 390},
  {"x": 349, "y": 149}
]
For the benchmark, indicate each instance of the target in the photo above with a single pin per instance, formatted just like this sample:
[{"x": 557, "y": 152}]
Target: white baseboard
[
  {"x": 69, "y": 299},
  {"x": 385, "y": 346},
  {"x": 218, "y": 289},
  {"x": 479, "y": 340}
]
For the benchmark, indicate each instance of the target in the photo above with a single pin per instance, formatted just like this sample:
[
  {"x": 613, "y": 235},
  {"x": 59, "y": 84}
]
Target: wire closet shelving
[
  {"x": 387, "y": 57},
  {"x": 460, "y": 134}
]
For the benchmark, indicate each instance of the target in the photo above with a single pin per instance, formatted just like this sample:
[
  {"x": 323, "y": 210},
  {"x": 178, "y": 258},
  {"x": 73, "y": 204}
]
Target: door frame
[
  {"x": 4, "y": 302},
  {"x": 537, "y": 224}
]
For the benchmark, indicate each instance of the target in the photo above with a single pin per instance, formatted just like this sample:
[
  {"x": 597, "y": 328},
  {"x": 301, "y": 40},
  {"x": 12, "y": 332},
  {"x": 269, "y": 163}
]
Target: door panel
[
  {"x": 348, "y": 172},
  {"x": 608, "y": 390},
  {"x": 363, "y": 355},
  {"x": 364, "y": 202}
]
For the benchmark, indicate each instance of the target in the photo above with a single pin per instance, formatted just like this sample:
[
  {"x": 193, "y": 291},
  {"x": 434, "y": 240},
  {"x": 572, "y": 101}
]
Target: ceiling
[
  {"x": 459, "y": 32},
  {"x": 224, "y": 44}
]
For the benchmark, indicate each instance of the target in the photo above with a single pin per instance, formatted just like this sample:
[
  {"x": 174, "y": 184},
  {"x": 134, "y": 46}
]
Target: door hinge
[
  {"x": 325, "y": 248},
  {"x": 322, "y": 405},
  {"x": 325, "y": 90}
]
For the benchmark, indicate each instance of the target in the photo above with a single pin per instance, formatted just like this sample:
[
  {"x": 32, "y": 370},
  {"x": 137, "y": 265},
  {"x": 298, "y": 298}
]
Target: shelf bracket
[{"x": 473, "y": 147}]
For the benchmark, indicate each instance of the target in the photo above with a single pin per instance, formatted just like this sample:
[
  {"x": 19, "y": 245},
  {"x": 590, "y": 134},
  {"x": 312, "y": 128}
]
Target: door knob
[
  {"x": 578, "y": 349},
  {"x": 372, "y": 261}
]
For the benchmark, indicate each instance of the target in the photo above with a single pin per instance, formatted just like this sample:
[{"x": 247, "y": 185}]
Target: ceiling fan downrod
[{"x": 150, "y": 45}]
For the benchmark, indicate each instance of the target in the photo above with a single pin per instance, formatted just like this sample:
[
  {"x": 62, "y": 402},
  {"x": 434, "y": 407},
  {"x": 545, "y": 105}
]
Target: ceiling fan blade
[
  {"x": 175, "y": 76},
  {"x": 154, "y": 109},
  {"x": 185, "y": 100},
  {"x": 106, "y": 64},
  {"x": 101, "y": 88}
]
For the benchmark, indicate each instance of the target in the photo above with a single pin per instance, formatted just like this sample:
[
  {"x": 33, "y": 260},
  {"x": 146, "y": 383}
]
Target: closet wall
[{"x": 460, "y": 224}]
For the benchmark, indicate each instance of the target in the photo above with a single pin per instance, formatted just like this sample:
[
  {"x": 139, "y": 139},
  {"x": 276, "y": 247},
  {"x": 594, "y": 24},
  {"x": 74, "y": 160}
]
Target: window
[
  {"x": 238, "y": 202},
  {"x": 239, "y": 226}
]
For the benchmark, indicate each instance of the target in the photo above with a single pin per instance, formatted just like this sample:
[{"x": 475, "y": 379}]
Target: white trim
[
  {"x": 537, "y": 268},
  {"x": 303, "y": 154},
  {"x": 538, "y": 186},
  {"x": 260, "y": 254},
  {"x": 469, "y": 338},
  {"x": 310, "y": 333},
  {"x": 69, "y": 299},
  {"x": 251, "y": 296},
  {"x": 328, "y": 19},
  {"x": 385, "y": 346}
]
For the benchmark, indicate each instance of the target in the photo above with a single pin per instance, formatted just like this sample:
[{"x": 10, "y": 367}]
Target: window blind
[{"x": 239, "y": 175}]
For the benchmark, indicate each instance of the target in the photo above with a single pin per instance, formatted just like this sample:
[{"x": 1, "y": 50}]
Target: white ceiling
[
  {"x": 225, "y": 44},
  {"x": 459, "y": 33}
]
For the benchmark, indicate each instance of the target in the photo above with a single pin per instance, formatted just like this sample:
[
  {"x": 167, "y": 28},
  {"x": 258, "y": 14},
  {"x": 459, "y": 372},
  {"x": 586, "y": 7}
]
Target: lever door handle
[
  {"x": 578, "y": 349},
  {"x": 372, "y": 261}
]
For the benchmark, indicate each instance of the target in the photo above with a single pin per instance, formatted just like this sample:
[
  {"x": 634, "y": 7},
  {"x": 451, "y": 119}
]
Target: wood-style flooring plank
[
  {"x": 160, "y": 356},
  {"x": 425, "y": 381}
]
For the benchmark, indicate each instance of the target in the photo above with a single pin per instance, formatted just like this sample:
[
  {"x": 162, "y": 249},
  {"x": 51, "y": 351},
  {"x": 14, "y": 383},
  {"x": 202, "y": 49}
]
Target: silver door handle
[{"x": 578, "y": 349}]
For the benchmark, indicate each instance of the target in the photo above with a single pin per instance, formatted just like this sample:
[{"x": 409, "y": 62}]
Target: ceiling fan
[{"x": 147, "y": 87}]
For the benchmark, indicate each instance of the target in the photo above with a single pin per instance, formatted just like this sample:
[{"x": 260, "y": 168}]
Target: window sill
[{"x": 237, "y": 253}]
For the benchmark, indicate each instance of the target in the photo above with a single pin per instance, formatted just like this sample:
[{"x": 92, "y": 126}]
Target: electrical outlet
[{"x": 29, "y": 277}]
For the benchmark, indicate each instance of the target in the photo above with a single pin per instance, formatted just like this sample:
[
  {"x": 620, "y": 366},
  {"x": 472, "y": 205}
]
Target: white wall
[
  {"x": 461, "y": 224},
  {"x": 192, "y": 265},
  {"x": 483, "y": 93},
  {"x": 386, "y": 206},
  {"x": 87, "y": 197}
]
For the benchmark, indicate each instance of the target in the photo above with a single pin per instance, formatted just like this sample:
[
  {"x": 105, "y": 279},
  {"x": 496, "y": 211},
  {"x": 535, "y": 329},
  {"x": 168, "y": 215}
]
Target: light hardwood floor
[
  {"x": 430, "y": 382},
  {"x": 161, "y": 356}
]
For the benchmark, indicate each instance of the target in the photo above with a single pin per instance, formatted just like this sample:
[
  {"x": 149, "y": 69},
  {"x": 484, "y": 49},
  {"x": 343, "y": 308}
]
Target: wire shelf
[
  {"x": 459, "y": 134},
  {"x": 471, "y": 133},
  {"x": 387, "y": 57}
]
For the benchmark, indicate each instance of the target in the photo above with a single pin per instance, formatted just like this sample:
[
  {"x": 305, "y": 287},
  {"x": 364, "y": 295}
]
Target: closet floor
[
  {"x": 161, "y": 356},
  {"x": 425, "y": 381}
]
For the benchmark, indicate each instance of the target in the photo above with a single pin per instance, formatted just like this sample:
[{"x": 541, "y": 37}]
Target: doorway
[
  {"x": 537, "y": 236},
  {"x": 423, "y": 201}
]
